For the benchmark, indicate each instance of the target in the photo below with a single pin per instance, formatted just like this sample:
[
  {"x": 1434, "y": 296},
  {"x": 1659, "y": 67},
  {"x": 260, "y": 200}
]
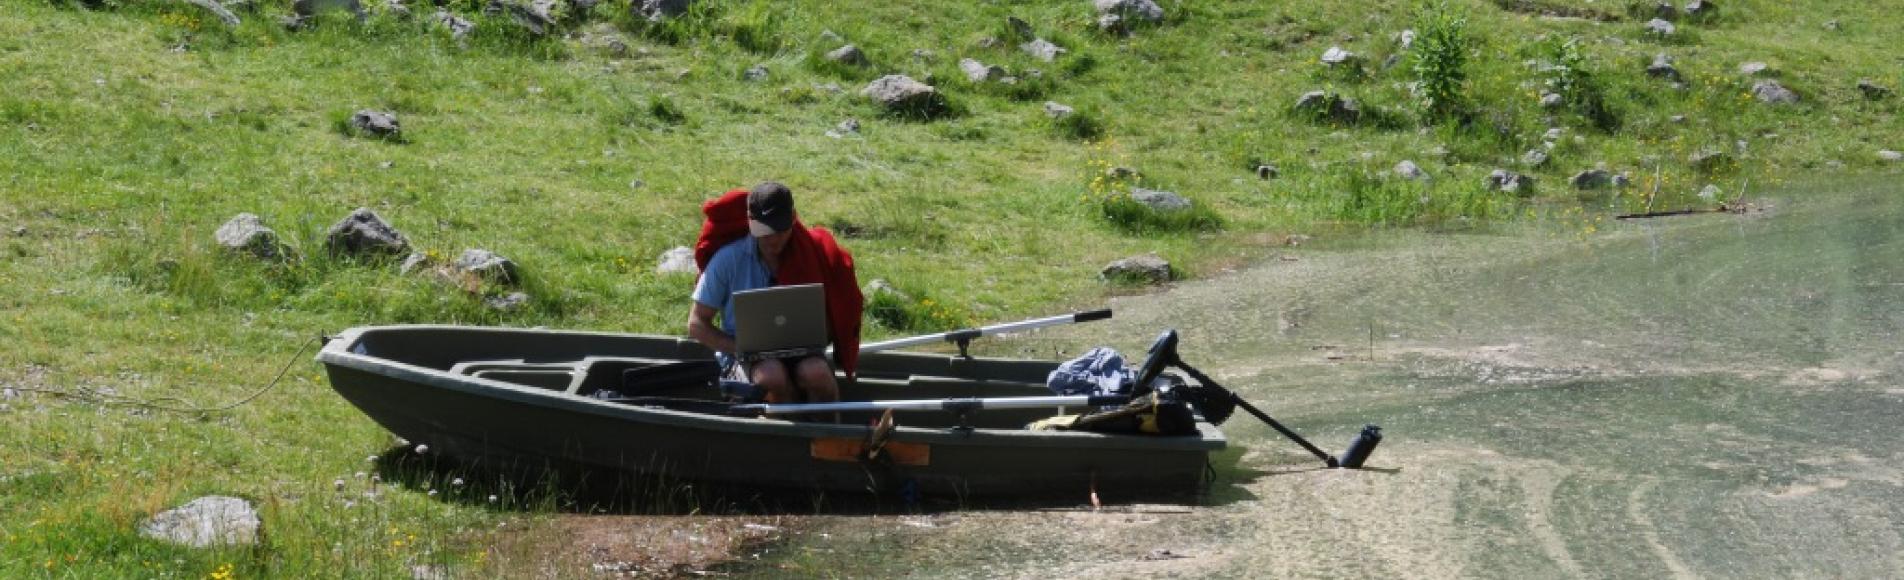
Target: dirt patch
[{"x": 612, "y": 546}]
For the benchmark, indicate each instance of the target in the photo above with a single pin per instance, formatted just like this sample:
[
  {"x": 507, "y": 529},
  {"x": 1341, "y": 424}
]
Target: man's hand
[{"x": 701, "y": 328}]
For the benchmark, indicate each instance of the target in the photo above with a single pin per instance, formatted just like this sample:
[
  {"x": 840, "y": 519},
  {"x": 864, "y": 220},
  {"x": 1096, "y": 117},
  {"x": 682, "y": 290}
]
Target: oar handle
[{"x": 968, "y": 334}]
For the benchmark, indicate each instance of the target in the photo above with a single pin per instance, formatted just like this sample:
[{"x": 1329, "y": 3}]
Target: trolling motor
[{"x": 1217, "y": 403}]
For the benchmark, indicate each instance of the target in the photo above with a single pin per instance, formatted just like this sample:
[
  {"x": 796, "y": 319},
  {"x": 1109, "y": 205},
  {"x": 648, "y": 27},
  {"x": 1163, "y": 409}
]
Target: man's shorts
[{"x": 737, "y": 383}]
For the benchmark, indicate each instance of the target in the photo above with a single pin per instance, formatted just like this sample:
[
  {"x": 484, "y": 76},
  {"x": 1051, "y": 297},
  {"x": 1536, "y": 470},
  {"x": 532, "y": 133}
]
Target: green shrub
[
  {"x": 1574, "y": 78},
  {"x": 1082, "y": 124},
  {"x": 1439, "y": 60},
  {"x": 911, "y": 311}
]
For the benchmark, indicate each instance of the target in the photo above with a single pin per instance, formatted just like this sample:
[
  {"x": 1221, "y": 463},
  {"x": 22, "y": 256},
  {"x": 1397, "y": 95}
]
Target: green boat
[{"x": 514, "y": 398}]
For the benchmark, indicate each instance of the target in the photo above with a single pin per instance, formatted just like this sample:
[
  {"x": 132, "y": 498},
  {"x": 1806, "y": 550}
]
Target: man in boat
[{"x": 753, "y": 239}]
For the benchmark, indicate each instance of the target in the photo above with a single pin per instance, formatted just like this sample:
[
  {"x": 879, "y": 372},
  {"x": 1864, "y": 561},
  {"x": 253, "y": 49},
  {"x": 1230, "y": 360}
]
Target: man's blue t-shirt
[{"x": 736, "y": 267}]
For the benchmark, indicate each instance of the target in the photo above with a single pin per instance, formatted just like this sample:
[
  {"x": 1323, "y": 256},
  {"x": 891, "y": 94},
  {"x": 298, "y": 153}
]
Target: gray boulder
[
  {"x": 1406, "y": 39},
  {"x": 849, "y": 55},
  {"x": 459, "y": 27},
  {"x": 900, "y": 93},
  {"x": 1329, "y": 107},
  {"x": 657, "y": 10},
  {"x": 1552, "y": 101},
  {"x": 679, "y": 260},
  {"x": 1408, "y": 170},
  {"x": 1506, "y": 181},
  {"x": 538, "y": 17},
  {"x": 364, "y": 233},
  {"x": 979, "y": 72},
  {"x": 1873, "y": 91},
  {"x": 1141, "y": 9},
  {"x": 1268, "y": 171},
  {"x": 1057, "y": 110},
  {"x": 1890, "y": 156},
  {"x": 1336, "y": 56},
  {"x": 486, "y": 265},
  {"x": 1162, "y": 201},
  {"x": 1147, "y": 269},
  {"x": 206, "y": 521},
  {"x": 1772, "y": 93},
  {"x": 1592, "y": 179},
  {"x": 1660, "y": 28},
  {"x": 379, "y": 124},
  {"x": 246, "y": 234},
  {"x": 1042, "y": 49},
  {"x": 1662, "y": 68},
  {"x": 217, "y": 10}
]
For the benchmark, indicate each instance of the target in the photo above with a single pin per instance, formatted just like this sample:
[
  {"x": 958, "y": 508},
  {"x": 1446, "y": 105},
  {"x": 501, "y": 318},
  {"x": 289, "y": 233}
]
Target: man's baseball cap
[{"x": 769, "y": 209}]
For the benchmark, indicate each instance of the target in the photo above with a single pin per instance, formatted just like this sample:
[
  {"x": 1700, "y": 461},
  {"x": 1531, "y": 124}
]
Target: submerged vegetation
[{"x": 131, "y": 130}]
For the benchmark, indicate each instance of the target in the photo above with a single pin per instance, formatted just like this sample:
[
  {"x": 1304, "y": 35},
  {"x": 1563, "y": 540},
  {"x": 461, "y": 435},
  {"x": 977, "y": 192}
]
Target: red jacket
[{"x": 811, "y": 257}]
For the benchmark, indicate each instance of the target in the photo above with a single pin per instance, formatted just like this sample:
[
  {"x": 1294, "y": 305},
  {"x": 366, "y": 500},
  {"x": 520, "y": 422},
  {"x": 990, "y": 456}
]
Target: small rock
[
  {"x": 657, "y": 10},
  {"x": 363, "y": 232},
  {"x": 979, "y": 72},
  {"x": 1042, "y": 49},
  {"x": 1552, "y": 101},
  {"x": 829, "y": 34},
  {"x": 1409, "y": 171},
  {"x": 1677, "y": 119},
  {"x": 511, "y": 302},
  {"x": 847, "y": 127},
  {"x": 1112, "y": 24},
  {"x": 1772, "y": 93},
  {"x": 1406, "y": 39},
  {"x": 413, "y": 263},
  {"x": 1709, "y": 160},
  {"x": 1148, "y": 268},
  {"x": 848, "y": 55},
  {"x": 1660, "y": 28},
  {"x": 1754, "y": 68},
  {"x": 9, "y": 393},
  {"x": 1553, "y": 134},
  {"x": 901, "y": 93},
  {"x": 1592, "y": 179},
  {"x": 679, "y": 260},
  {"x": 1710, "y": 193},
  {"x": 398, "y": 9},
  {"x": 246, "y": 233},
  {"x": 1534, "y": 158},
  {"x": 1506, "y": 181},
  {"x": 879, "y": 286},
  {"x": 534, "y": 16},
  {"x": 755, "y": 74},
  {"x": 458, "y": 26},
  {"x": 989, "y": 42},
  {"x": 1890, "y": 156},
  {"x": 1872, "y": 91},
  {"x": 1662, "y": 68},
  {"x": 379, "y": 124},
  {"x": 206, "y": 521},
  {"x": 923, "y": 55},
  {"x": 1144, "y": 9},
  {"x": 1267, "y": 172},
  {"x": 1161, "y": 201},
  {"x": 1834, "y": 26},
  {"x": 1057, "y": 110},
  {"x": 1337, "y": 56},
  {"x": 1701, "y": 9},
  {"x": 1330, "y": 107},
  {"x": 486, "y": 265}
]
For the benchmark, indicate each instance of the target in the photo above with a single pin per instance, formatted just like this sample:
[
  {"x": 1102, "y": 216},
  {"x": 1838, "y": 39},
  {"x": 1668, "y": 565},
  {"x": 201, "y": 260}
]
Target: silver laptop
[{"x": 780, "y": 322}]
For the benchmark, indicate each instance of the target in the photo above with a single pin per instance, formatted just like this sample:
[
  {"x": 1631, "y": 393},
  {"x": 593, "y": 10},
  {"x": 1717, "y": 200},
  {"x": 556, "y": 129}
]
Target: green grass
[{"x": 128, "y": 135}]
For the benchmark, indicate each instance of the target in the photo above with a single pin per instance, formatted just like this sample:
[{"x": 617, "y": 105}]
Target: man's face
[{"x": 771, "y": 245}]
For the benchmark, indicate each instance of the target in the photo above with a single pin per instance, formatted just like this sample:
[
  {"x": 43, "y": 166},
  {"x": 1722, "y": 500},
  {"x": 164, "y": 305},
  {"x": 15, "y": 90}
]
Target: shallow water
[{"x": 1700, "y": 396}]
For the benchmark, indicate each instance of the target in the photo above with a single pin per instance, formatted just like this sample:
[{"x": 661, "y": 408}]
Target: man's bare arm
[{"x": 701, "y": 328}]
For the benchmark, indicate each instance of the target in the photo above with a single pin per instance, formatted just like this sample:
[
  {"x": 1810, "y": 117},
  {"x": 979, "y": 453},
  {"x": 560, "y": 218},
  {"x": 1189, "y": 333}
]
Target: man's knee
[
  {"x": 770, "y": 374},
  {"x": 814, "y": 371}
]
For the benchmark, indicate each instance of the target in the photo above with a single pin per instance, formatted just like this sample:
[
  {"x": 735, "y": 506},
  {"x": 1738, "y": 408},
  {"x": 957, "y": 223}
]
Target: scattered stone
[
  {"x": 206, "y": 521},
  {"x": 1506, "y": 181},
  {"x": 1755, "y": 68},
  {"x": 657, "y": 10},
  {"x": 379, "y": 124},
  {"x": 848, "y": 55},
  {"x": 1042, "y": 49},
  {"x": 1406, "y": 39},
  {"x": 217, "y": 10},
  {"x": 1409, "y": 171},
  {"x": 513, "y": 301},
  {"x": 1552, "y": 101},
  {"x": 847, "y": 127},
  {"x": 901, "y": 93},
  {"x": 247, "y": 234},
  {"x": 1709, "y": 160},
  {"x": 1873, "y": 91},
  {"x": 1701, "y": 9},
  {"x": 1057, "y": 110},
  {"x": 1112, "y": 24},
  {"x": 1267, "y": 172},
  {"x": 1330, "y": 107},
  {"x": 1336, "y": 56},
  {"x": 363, "y": 233},
  {"x": 1592, "y": 179},
  {"x": 1890, "y": 156},
  {"x": 679, "y": 260},
  {"x": 1772, "y": 93},
  {"x": 1144, "y": 9},
  {"x": 1162, "y": 201},
  {"x": 459, "y": 27},
  {"x": 1553, "y": 134},
  {"x": 1662, "y": 68},
  {"x": 1147, "y": 268},
  {"x": 1660, "y": 28},
  {"x": 979, "y": 72},
  {"x": 486, "y": 265},
  {"x": 879, "y": 286},
  {"x": 414, "y": 262},
  {"x": 1710, "y": 193},
  {"x": 755, "y": 74}
]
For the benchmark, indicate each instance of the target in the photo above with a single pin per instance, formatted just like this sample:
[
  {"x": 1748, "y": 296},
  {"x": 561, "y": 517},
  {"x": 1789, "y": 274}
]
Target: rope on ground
[{"x": 158, "y": 403}]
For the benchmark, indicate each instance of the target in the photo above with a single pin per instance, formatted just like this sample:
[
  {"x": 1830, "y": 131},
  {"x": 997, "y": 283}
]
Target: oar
[
  {"x": 964, "y": 337},
  {"x": 958, "y": 405}
]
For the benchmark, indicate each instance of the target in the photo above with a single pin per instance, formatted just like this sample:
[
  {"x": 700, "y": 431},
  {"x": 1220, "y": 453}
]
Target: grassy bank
[{"x": 129, "y": 134}]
